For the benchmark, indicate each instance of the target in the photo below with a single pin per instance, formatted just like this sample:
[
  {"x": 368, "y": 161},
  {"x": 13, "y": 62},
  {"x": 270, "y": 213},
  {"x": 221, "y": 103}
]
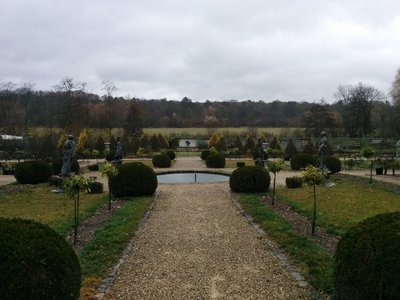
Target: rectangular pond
[{"x": 191, "y": 178}]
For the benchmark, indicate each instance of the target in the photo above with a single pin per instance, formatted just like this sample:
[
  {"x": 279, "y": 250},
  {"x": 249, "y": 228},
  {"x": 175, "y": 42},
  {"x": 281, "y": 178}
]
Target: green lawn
[
  {"x": 311, "y": 259},
  {"x": 343, "y": 205},
  {"x": 40, "y": 204},
  {"x": 339, "y": 207},
  {"x": 199, "y": 132}
]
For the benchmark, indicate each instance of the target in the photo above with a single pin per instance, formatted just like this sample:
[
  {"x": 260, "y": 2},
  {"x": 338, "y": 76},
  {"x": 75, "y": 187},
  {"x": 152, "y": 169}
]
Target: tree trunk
[{"x": 314, "y": 212}]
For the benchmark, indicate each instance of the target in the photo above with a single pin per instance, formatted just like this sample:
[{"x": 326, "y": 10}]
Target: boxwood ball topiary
[
  {"x": 301, "y": 160},
  {"x": 216, "y": 160},
  {"x": 367, "y": 260},
  {"x": 294, "y": 182},
  {"x": 161, "y": 161},
  {"x": 204, "y": 154},
  {"x": 333, "y": 164},
  {"x": 32, "y": 172},
  {"x": 36, "y": 262},
  {"x": 133, "y": 179},
  {"x": 171, "y": 154},
  {"x": 57, "y": 164},
  {"x": 250, "y": 179}
]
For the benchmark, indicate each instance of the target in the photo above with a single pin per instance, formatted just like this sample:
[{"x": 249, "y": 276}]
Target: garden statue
[
  {"x": 260, "y": 150},
  {"x": 68, "y": 154},
  {"x": 323, "y": 147},
  {"x": 118, "y": 151}
]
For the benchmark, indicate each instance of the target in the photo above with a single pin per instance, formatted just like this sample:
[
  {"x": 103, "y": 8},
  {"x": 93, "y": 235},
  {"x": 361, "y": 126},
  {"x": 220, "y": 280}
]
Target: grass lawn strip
[
  {"x": 341, "y": 206},
  {"x": 37, "y": 202},
  {"x": 313, "y": 261},
  {"x": 109, "y": 241}
]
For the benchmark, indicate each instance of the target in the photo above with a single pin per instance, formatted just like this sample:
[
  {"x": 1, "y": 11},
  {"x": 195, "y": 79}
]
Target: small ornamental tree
[
  {"x": 108, "y": 170},
  {"x": 73, "y": 185},
  {"x": 368, "y": 152},
  {"x": 313, "y": 176},
  {"x": 275, "y": 166}
]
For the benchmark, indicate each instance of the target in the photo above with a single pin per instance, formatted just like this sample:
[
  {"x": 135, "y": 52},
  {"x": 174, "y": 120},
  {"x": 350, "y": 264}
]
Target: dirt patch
[
  {"x": 88, "y": 227},
  {"x": 302, "y": 225}
]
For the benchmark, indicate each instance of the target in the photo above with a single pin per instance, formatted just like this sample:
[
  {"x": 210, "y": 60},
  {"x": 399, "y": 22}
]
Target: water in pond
[{"x": 191, "y": 178}]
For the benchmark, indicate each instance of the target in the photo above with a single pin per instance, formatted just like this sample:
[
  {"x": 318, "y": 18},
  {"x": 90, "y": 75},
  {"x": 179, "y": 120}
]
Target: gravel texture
[{"x": 196, "y": 245}]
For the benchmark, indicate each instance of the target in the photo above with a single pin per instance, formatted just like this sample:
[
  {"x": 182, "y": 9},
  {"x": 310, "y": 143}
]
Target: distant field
[{"x": 191, "y": 132}]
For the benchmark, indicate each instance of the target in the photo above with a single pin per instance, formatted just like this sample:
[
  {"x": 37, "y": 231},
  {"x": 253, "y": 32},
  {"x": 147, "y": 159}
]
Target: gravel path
[{"x": 196, "y": 245}]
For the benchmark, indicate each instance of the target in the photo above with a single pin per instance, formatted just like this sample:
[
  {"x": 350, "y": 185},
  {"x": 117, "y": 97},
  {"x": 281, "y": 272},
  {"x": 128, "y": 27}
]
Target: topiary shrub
[
  {"x": 294, "y": 182},
  {"x": 367, "y": 261},
  {"x": 204, "y": 154},
  {"x": 216, "y": 160},
  {"x": 57, "y": 164},
  {"x": 36, "y": 262},
  {"x": 240, "y": 164},
  {"x": 93, "y": 167},
  {"x": 250, "y": 179},
  {"x": 161, "y": 161},
  {"x": 95, "y": 187},
  {"x": 333, "y": 164},
  {"x": 32, "y": 172},
  {"x": 290, "y": 150},
  {"x": 133, "y": 179},
  {"x": 301, "y": 160},
  {"x": 170, "y": 153}
]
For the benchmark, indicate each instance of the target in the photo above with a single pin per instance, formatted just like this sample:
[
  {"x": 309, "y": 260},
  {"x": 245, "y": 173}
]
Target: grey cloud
[{"x": 203, "y": 49}]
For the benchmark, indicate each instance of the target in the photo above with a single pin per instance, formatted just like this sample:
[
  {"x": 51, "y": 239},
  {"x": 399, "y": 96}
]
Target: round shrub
[
  {"x": 204, "y": 154},
  {"x": 294, "y": 182},
  {"x": 367, "y": 261},
  {"x": 301, "y": 160},
  {"x": 161, "y": 161},
  {"x": 171, "y": 154},
  {"x": 32, "y": 172},
  {"x": 57, "y": 164},
  {"x": 333, "y": 164},
  {"x": 216, "y": 160},
  {"x": 95, "y": 187},
  {"x": 36, "y": 262},
  {"x": 250, "y": 179},
  {"x": 133, "y": 179}
]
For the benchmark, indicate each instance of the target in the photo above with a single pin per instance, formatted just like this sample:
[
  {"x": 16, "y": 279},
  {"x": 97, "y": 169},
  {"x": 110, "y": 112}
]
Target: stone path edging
[
  {"x": 108, "y": 281},
  {"x": 277, "y": 252}
]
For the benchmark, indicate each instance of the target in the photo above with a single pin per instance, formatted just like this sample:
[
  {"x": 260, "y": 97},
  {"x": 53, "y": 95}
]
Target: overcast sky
[{"x": 291, "y": 50}]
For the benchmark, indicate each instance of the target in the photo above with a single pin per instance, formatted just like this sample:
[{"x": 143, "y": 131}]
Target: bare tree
[
  {"x": 358, "y": 101},
  {"x": 7, "y": 100},
  {"x": 109, "y": 88},
  {"x": 395, "y": 91},
  {"x": 70, "y": 92},
  {"x": 26, "y": 92}
]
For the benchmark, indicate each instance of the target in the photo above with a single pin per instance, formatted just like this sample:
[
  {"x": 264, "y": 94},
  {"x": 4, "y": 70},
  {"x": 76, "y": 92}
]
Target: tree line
[{"x": 359, "y": 110}]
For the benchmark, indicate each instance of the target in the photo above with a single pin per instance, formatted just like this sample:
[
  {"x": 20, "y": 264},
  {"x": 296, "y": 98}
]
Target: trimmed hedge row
[
  {"x": 32, "y": 172},
  {"x": 301, "y": 160}
]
